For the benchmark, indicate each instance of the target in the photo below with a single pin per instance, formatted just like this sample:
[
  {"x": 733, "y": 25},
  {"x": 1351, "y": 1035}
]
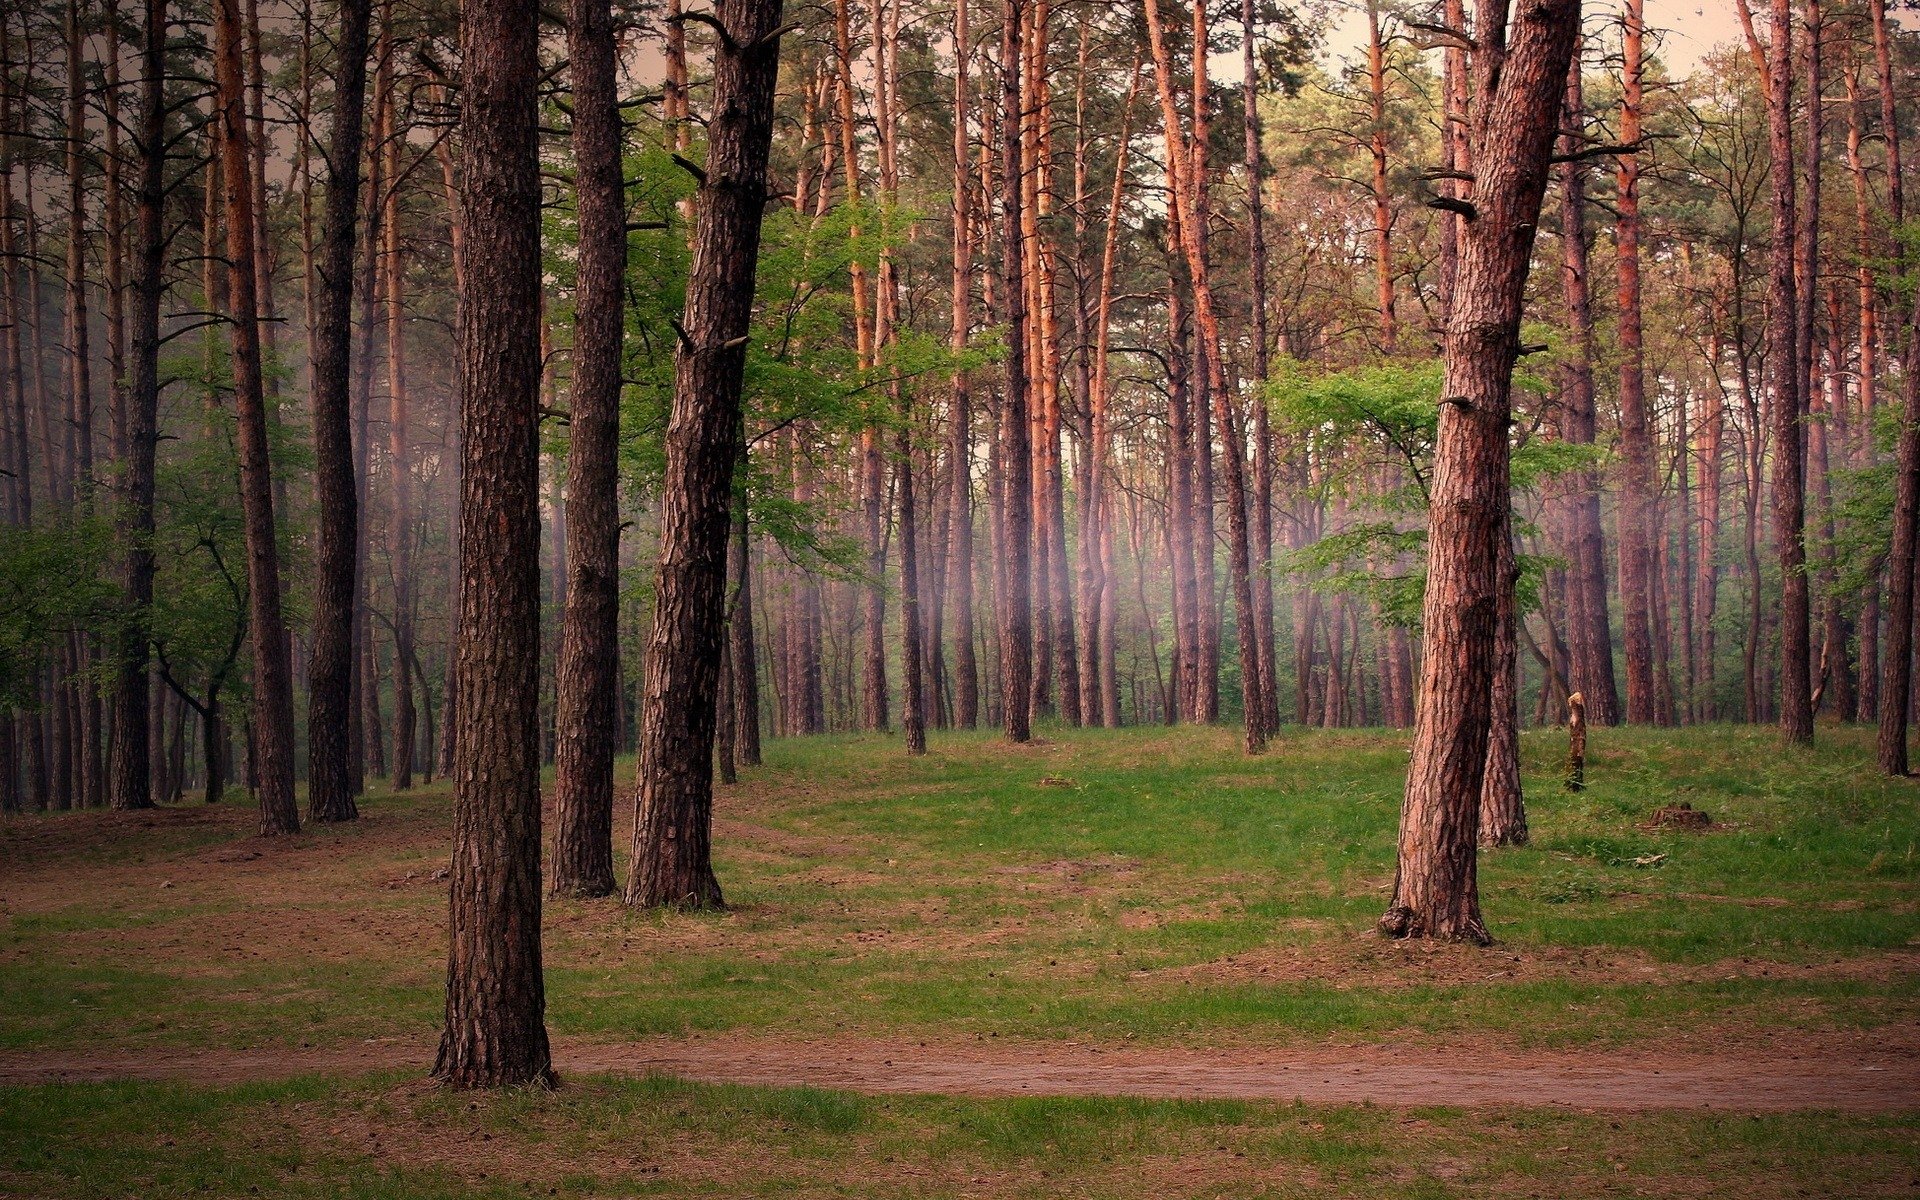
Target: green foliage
[{"x": 54, "y": 582}]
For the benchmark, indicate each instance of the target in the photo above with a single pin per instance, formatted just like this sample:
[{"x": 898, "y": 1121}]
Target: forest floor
[{"x": 1126, "y": 962}]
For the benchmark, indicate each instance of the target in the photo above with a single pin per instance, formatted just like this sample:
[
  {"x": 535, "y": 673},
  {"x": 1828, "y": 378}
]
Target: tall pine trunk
[
  {"x": 673, "y": 807},
  {"x": 1016, "y": 501},
  {"x": 1520, "y": 85},
  {"x": 330, "y": 766},
  {"x": 1786, "y": 377},
  {"x": 495, "y": 1033},
  {"x": 584, "y": 734},
  {"x": 131, "y": 785},
  {"x": 272, "y": 716}
]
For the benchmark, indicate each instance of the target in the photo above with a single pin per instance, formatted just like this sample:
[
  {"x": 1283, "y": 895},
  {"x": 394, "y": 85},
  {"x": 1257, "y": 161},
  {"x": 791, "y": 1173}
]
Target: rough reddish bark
[
  {"x": 584, "y": 733},
  {"x": 673, "y": 806},
  {"x": 495, "y": 1033},
  {"x": 1590, "y": 633},
  {"x": 1636, "y": 430},
  {"x": 272, "y": 723},
  {"x": 1520, "y": 81},
  {"x": 1190, "y": 200}
]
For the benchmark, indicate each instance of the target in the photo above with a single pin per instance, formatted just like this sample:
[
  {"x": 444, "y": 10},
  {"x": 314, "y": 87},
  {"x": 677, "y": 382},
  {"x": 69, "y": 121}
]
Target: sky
[{"x": 1683, "y": 30}]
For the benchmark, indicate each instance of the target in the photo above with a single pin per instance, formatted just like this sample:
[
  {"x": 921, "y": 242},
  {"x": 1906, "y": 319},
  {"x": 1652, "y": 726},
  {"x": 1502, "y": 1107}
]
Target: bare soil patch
[{"x": 1841, "y": 1073}]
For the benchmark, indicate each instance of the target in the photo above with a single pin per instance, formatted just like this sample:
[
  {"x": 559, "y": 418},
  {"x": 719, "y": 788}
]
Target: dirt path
[{"x": 1811, "y": 1077}]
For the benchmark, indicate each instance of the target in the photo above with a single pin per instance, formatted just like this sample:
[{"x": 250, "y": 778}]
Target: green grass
[
  {"x": 388, "y": 1138},
  {"x": 1145, "y": 885}
]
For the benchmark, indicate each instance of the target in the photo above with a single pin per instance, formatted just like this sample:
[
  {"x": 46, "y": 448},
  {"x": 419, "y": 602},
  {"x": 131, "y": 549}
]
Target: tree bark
[
  {"x": 960, "y": 418},
  {"x": 1520, "y": 85},
  {"x": 495, "y": 1033},
  {"x": 131, "y": 785},
  {"x": 589, "y": 639},
  {"x": 330, "y": 768},
  {"x": 400, "y": 463},
  {"x": 673, "y": 807},
  {"x": 1015, "y": 542},
  {"x": 1262, "y": 434},
  {"x": 272, "y": 717},
  {"x": 742, "y": 658},
  {"x": 1786, "y": 377},
  {"x": 1636, "y": 430},
  {"x": 1589, "y": 627}
]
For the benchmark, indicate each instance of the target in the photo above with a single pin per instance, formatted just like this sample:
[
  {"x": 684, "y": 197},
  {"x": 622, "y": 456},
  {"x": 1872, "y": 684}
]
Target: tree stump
[{"x": 1576, "y": 743}]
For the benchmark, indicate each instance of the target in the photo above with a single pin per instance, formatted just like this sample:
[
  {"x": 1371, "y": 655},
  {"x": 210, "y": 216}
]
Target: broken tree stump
[{"x": 1576, "y": 743}]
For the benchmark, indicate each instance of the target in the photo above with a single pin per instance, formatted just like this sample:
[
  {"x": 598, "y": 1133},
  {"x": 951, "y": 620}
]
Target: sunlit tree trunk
[
  {"x": 1190, "y": 196},
  {"x": 1520, "y": 81},
  {"x": 1636, "y": 429}
]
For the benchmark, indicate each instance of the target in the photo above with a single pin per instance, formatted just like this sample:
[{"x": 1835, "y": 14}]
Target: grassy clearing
[
  {"x": 388, "y": 1138},
  {"x": 1143, "y": 885}
]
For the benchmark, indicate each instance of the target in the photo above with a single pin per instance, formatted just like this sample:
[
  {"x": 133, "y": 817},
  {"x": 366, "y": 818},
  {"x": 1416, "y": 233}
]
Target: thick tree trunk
[
  {"x": 1786, "y": 376},
  {"x": 584, "y": 734},
  {"x": 1503, "y": 810},
  {"x": 1520, "y": 85},
  {"x": 495, "y": 1033},
  {"x": 330, "y": 768},
  {"x": 272, "y": 717},
  {"x": 131, "y": 785},
  {"x": 673, "y": 807}
]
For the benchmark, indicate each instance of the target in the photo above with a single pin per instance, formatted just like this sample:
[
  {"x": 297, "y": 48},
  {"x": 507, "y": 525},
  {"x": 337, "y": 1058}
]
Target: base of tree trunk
[
  {"x": 699, "y": 894},
  {"x": 483, "y": 1064},
  {"x": 1493, "y": 837},
  {"x": 584, "y": 889},
  {"x": 1402, "y": 922}
]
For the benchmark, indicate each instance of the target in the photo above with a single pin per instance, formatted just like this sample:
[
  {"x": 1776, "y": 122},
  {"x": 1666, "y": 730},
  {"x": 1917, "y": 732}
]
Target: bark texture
[
  {"x": 330, "y": 768},
  {"x": 673, "y": 806},
  {"x": 584, "y": 733},
  {"x": 130, "y": 783},
  {"x": 1520, "y": 76},
  {"x": 272, "y": 715},
  {"x": 495, "y": 1033}
]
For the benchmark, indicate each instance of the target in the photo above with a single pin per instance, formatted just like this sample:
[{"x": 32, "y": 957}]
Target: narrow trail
[{"x": 1815, "y": 1078}]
